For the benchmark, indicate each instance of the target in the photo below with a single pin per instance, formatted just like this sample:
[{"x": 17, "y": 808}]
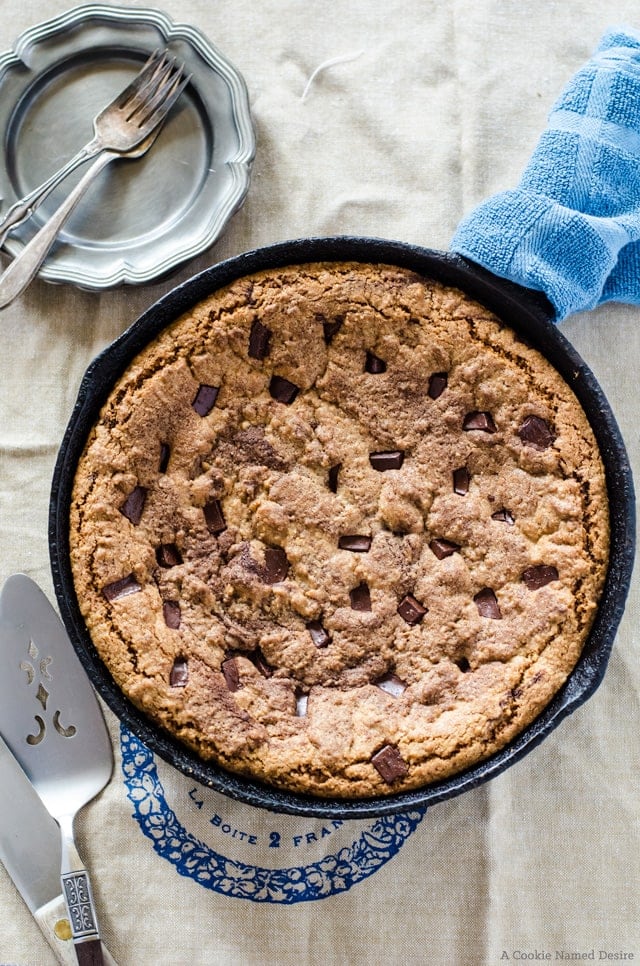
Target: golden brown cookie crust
[{"x": 339, "y": 529}]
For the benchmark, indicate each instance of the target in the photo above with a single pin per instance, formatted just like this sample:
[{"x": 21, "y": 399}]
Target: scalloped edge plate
[{"x": 141, "y": 219}]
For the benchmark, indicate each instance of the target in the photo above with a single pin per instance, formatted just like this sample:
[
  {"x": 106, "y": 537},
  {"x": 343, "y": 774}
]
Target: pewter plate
[{"x": 141, "y": 218}]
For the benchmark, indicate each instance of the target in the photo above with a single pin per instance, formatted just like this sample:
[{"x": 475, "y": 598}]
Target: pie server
[
  {"x": 53, "y": 728},
  {"x": 30, "y": 852}
]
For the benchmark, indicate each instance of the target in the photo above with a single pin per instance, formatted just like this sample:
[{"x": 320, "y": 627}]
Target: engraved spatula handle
[
  {"x": 52, "y": 919},
  {"x": 78, "y": 896}
]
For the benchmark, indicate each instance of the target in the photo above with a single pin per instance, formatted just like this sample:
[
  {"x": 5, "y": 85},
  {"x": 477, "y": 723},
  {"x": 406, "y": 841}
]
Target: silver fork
[
  {"x": 144, "y": 121},
  {"x": 112, "y": 131}
]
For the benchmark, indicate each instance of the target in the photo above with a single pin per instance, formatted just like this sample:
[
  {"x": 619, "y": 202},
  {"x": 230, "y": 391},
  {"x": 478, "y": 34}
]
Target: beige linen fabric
[{"x": 429, "y": 107}]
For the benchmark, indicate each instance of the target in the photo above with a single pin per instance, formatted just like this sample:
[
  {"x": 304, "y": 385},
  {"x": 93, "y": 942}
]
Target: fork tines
[
  {"x": 168, "y": 90},
  {"x": 141, "y": 78},
  {"x": 157, "y": 80}
]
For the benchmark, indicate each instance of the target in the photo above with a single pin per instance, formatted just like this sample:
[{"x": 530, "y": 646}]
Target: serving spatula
[
  {"x": 52, "y": 722},
  {"x": 30, "y": 853}
]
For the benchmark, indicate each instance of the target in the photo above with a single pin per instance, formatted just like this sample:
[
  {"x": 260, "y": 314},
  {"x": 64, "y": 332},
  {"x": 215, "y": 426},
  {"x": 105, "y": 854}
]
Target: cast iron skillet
[{"x": 526, "y": 312}]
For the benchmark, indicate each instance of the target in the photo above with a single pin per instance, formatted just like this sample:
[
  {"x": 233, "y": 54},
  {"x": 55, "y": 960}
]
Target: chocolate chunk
[
  {"x": 540, "y": 575},
  {"x": 302, "y": 701},
  {"x": 482, "y": 421},
  {"x": 374, "y": 364},
  {"x": 261, "y": 663},
  {"x": 168, "y": 555},
  {"x": 443, "y": 548},
  {"x": 437, "y": 384},
  {"x": 134, "y": 505},
  {"x": 334, "y": 473},
  {"x": 536, "y": 432},
  {"x": 392, "y": 684},
  {"x": 360, "y": 598},
  {"x": 463, "y": 664},
  {"x": 387, "y": 460},
  {"x": 331, "y": 329},
  {"x": 121, "y": 588},
  {"x": 165, "y": 454},
  {"x": 179, "y": 673},
  {"x": 231, "y": 673},
  {"x": 356, "y": 542},
  {"x": 411, "y": 610},
  {"x": 214, "y": 517},
  {"x": 319, "y": 635},
  {"x": 390, "y": 764},
  {"x": 503, "y": 516},
  {"x": 461, "y": 480},
  {"x": 276, "y": 565},
  {"x": 259, "y": 339},
  {"x": 487, "y": 604},
  {"x": 172, "y": 614},
  {"x": 205, "y": 399},
  {"x": 282, "y": 390}
]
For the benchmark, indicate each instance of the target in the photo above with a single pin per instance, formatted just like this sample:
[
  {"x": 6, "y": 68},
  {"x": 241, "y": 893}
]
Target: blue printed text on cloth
[{"x": 351, "y": 853}]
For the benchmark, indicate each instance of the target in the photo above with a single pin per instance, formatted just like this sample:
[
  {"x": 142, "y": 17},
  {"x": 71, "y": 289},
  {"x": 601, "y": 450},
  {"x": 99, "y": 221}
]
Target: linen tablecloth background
[{"x": 430, "y": 107}]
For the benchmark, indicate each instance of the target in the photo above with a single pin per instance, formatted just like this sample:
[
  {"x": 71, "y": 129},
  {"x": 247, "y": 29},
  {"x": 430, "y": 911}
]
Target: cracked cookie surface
[{"x": 338, "y": 529}]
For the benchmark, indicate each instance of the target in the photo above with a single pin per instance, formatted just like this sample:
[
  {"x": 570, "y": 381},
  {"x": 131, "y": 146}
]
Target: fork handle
[
  {"x": 22, "y": 209},
  {"x": 25, "y": 266}
]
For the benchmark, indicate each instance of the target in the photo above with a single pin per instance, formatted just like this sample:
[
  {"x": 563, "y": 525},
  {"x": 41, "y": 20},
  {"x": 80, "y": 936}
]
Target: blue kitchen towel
[{"x": 571, "y": 228}]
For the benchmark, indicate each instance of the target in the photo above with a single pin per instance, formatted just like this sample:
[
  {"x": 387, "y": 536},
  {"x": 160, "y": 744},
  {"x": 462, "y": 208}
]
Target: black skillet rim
[{"x": 529, "y": 314}]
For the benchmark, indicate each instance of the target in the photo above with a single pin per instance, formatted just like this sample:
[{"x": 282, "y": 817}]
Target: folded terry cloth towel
[{"x": 571, "y": 228}]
